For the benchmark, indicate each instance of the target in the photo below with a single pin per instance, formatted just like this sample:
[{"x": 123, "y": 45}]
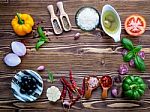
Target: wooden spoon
[
  {"x": 64, "y": 17},
  {"x": 55, "y": 21},
  {"x": 106, "y": 83},
  {"x": 91, "y": 83}
]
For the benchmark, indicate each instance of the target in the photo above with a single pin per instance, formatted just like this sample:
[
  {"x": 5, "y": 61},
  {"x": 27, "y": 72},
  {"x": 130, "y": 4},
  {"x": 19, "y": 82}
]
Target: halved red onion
[
  {"x": 18, "y": 48},
  {"x": 12, "y": 60}
]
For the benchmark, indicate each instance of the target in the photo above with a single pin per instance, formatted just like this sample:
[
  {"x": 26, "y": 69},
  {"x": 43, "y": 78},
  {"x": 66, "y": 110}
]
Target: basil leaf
[
  {"x": 43, "y": 39},
  {"x": 40, "y": 32},
  {"x": 50, "y": 76},
  {"x": 137, "y": 49},
  {"x": 127, "y": 44},
  {"x": 139, "y": 63},
  {"x": 128, "y": 56},
  {"x": 39, "y": 44}
]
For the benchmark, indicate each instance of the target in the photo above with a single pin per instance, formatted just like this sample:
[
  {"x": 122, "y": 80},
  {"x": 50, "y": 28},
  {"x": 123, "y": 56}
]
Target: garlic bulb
[
  {"x": 53, "y": 94},
  {"x": 18, "y": 48},
  {"x": 12, "y": 60}
]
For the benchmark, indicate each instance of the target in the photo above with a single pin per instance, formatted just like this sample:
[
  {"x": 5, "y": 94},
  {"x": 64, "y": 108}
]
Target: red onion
[
  {"x": 117, "y": 79},
  {"x": 12, "y": 60},
  {"x": 131, "y": 63},
  {"x": 123, "y": 69},
  {"x": 116, "y": 91},
  {"x": 142, "y": 54},
  {"x": 18, "y": 48}
]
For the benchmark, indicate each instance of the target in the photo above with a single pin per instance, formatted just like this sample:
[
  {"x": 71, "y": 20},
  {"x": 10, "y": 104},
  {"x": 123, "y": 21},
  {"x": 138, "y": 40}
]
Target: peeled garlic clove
[
  {"x": 18, "y": 48},
  {"x": 12, "y": 60}
]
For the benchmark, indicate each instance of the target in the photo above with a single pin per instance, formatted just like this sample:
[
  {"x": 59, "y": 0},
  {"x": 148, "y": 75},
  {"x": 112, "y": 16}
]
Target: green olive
[
  {"x": 107, "y": 24},
  {"x": 110, "y": 18}
]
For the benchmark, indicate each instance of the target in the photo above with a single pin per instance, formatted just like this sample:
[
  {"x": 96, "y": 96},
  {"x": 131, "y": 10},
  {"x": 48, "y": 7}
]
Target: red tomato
[{"x": 135, "y": 25}]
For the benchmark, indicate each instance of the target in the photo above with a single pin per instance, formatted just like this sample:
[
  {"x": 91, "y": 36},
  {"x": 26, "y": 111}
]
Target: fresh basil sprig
[
  {"x": 50, "y": 76},
  {"x": 133, "y": 54},
  {"x": 42, "y": 39}
]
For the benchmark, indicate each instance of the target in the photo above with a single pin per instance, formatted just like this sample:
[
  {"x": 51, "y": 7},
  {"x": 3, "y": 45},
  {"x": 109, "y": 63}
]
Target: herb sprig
[
  {"x": 42, "y": 38},
  {"x": 50, "y": 76},
  {"x": 133, "y": 54}
]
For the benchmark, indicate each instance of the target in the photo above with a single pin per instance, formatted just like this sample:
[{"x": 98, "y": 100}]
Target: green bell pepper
[{"x": 133, "y": 87}]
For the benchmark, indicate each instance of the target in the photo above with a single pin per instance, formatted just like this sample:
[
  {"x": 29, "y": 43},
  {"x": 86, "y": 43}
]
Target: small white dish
[{"x": 116, "y": 35}]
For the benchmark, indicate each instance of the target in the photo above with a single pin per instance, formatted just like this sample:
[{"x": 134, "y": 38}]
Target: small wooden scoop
[
  {"x": 106, "y": 83},
  {"x": 91, "y": 83},
  {"x": 64, "y": 17},
  {"x": 55, "y": 21}
]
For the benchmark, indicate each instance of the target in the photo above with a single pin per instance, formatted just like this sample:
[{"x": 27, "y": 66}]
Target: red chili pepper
[
  {"x": 65, "y": 82},
  {"x": 76, "y": 99},
  {"x": 74, "y": 84},
  {"x": 70, "y": 95},
  {"x": 63, "y": 93}
]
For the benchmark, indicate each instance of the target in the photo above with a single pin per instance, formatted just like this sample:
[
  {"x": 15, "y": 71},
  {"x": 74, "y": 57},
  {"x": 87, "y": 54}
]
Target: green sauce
[{"x": 110, "y": 22}]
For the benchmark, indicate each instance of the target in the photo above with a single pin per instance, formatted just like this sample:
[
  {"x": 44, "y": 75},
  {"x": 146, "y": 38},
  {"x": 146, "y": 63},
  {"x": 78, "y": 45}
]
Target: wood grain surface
[{"x": 93, "y": 52}]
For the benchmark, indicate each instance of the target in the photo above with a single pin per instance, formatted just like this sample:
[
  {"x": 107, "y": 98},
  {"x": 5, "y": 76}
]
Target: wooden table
[{"x": 93, "y": 52}]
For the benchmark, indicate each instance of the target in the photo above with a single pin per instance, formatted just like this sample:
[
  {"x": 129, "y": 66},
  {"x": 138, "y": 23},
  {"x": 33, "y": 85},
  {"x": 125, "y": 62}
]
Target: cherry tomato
[{"x": 135, "y": 25}]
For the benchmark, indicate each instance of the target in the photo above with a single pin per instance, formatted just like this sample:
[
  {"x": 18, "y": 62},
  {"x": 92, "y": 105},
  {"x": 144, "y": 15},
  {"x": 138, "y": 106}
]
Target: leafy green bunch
[
  {"x": 42, "y": 38},
  {"x": 133, "y": 54}
]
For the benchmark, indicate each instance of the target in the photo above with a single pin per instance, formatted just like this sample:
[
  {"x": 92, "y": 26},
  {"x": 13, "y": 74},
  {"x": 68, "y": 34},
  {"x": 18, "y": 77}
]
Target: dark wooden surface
[{"x": 91, "y": 53}]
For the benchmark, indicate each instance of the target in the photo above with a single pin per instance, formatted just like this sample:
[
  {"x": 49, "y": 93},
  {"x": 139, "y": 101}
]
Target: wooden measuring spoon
[
  {"x": 64, "y": 17},
  {"x": 91, "y": 83},
  {"x": 55, "y": 21},
  {"x": 106, "y": 83}
]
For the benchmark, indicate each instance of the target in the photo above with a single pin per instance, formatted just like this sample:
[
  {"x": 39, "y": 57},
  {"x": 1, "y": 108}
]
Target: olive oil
[{"x": 110, "y": 21}]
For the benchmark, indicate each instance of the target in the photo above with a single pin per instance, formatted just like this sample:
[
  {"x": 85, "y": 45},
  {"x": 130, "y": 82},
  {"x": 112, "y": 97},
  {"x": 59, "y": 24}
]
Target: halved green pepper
[{"x": 133, "y": 87}]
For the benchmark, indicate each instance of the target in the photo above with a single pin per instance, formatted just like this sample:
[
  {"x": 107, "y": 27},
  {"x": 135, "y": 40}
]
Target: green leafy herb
[
  {"x": 39, "y": 44},
  {"x": 128, "y": 56},
  {"x": 50, "y": 76},
  {"x": 139, "y": 63},
  {"x": 133, "y": 54},
  {"x": 42, "y": 39},
  {"x": 137, "y": 49},
  {"x": 127, "y": 44}
]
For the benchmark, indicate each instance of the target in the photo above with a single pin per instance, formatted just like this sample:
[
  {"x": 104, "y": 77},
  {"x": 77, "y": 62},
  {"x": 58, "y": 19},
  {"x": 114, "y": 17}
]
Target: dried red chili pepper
[
  {"x": 70, "y": 95},
  {"x": 64, "y": 91},
  {"x": 70, "y": 88},
  {"x": 74, "y": 84},
  {"x": 65, "y": 82},
  {"x": 76, "y": 99}
]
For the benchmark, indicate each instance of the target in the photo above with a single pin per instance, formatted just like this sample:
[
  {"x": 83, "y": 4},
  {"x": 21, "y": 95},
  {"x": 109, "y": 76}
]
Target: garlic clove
[
  {"x": 12, "y": 60},
  {"x": 41, "y": 68},
  {"x": 18, "y": 48}
]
